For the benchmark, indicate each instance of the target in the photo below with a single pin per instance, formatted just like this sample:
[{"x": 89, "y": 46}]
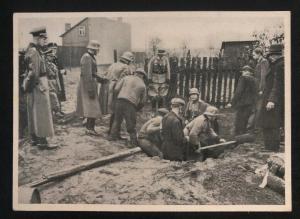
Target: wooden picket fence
[{"x": 215, "y": 82}]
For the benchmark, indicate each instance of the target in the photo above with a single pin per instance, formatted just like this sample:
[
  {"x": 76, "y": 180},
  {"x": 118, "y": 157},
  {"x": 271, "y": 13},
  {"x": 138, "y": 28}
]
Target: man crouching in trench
[
  {"x": 149, "y": 138},
  {"x": 200, "y": 133}
]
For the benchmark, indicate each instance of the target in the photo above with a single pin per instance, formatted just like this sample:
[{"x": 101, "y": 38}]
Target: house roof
[
  {"x": 237, "y": 42},
  {"x": 73, "y": 27}
]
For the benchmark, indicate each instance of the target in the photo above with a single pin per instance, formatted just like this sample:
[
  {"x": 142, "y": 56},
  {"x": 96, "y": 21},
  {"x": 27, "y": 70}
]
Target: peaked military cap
[{"x": 39, "y": 32}]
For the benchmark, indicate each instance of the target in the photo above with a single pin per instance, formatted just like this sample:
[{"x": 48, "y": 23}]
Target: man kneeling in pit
[
  {"x": 200, "y": 132},
  {"x": 149, "y": 138}
]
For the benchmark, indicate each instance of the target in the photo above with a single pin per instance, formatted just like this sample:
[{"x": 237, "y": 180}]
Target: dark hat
[
  {"x": 275, "y": 49},
  {"x": 161, "y": 51},
  {"x": 248, "y": 68},
  {"x": 52, "y": 45},
  {"x": 163, "y": 111},
  {"x": 39, "y": 32}
]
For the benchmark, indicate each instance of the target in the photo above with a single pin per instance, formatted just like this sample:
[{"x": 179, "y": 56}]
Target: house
[
  {"x": 235, "y": 51},
  {"x": 112, "y": 34}
]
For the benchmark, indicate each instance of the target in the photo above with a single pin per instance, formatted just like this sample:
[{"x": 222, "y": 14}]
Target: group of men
[
  {"x": 173, "y": 134},
  {"x": 259, "y": 97},
  {"x": 43, "y": 86}
]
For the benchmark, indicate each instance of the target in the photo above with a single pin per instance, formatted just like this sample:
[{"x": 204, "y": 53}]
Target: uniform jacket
[
  {"x": 159, "y": 69},
  {"x": 194, "y": 109},
  {"x": 273, "y": 92},
  {"x": 261, "y": 70},
  {"x": 38, "y": 101},
  {"x": 199, "y": 126},
  {"x": 246, "y": 92},
  {"x": 114, "y": 73},
  {"x": 87, "y": 107},
  {"x": 173, "y": 146},
  {"x": 133, "y": 89}
]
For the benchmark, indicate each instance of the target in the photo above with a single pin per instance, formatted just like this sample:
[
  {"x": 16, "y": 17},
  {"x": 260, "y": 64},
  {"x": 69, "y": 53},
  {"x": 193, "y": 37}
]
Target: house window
[{"x": 81, "y": 31}]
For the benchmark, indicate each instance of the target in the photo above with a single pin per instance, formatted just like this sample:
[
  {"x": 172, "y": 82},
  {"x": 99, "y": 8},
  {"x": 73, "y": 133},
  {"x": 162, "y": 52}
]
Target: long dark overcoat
[
  {"x": 173, "y": 146},
  {"x": 273, "y": 92},
  {"x": 87, "y": 107}
]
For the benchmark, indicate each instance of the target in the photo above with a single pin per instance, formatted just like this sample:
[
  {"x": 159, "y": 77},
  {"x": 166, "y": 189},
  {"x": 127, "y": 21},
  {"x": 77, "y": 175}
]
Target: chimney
[
  {"x": 67, "y": 26},
  {"x": 119, "y": 19}
]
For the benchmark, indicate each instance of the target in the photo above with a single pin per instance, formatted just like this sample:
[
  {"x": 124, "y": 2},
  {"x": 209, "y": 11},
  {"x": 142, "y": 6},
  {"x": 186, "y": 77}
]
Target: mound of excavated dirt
[{"x": 139, "y": 179}]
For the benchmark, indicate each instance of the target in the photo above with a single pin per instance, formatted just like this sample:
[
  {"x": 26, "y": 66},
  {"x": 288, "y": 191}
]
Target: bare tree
[
  {"x": 154, "y": 43},
  {"x": 269, "y": 36},
  {"x": 184, "y": 47}
]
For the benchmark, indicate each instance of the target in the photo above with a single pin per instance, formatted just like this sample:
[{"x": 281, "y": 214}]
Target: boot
[
  {"x": 34, "y": 140},
  {"x": 133, "y": 140},
  {"x": 43, "y": 144}
]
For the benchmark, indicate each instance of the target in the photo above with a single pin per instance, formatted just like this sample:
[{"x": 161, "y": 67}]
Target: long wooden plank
[
  {"x": 85, "y": 166},
  {"x": 198, "y": 73},
  {"x": 228, "y": 143}
]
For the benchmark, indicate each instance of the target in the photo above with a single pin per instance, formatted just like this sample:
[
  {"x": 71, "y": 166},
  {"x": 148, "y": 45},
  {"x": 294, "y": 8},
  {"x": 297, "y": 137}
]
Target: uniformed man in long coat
[
  {"x": 40, "y": 122},
  {"x": 272, "y": 115},
  {"x": 114, "y": 73},
  {"x": 159, "y": 74},
  {"x": 88, "y": 105},
  {"x": 262, "y": 68},
  {"x": 174, "y": 142}
]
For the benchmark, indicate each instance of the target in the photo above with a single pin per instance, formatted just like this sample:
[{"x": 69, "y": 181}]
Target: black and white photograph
[{"x": 152, "y": 111}]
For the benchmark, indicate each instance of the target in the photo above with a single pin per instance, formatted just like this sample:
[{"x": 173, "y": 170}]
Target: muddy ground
[{"x": 229, "y": 179}]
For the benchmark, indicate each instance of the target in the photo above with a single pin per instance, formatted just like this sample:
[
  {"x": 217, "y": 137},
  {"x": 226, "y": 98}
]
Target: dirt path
[{"x": 140, "y": 179}]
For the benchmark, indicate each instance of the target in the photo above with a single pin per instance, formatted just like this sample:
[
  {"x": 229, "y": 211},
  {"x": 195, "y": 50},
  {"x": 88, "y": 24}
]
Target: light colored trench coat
[{"x": 40, "y": 120}]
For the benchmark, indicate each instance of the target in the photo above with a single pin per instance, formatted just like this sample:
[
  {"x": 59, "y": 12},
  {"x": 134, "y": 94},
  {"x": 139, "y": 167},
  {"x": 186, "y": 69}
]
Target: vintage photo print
[{"x": 152, "y": 111}]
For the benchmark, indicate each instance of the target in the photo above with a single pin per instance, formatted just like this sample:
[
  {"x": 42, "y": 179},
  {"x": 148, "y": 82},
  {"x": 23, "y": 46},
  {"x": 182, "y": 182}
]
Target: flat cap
[
  {"x": 39, "y": 32},
  {"x": 211, "y": 111},
  {"x": 177, "y": 101},
  {"x": 163, "y": 111}
]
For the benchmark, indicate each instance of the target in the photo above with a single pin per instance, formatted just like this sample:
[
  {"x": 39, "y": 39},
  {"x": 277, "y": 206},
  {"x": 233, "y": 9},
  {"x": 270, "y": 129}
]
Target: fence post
[
  {"x": 115, "y": 56},
  {"x": 181, "y": 76},
  {"x": 193, "y": 72},
  {"x": 230, "y": 84},
  {"x": 187, "y": 77},
  {"x": 209, "y": 72},
  {"x": 225, "y": 87},
  {"x": 220, "y": 77},
  {"x": 214, "y": 82},
  {"x": 203, "y": 82},
  {"x": 198, "y": 72}
]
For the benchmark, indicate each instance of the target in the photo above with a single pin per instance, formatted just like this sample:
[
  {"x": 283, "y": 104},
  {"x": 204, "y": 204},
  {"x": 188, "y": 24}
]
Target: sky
[{"x": 197, "y": 32}]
